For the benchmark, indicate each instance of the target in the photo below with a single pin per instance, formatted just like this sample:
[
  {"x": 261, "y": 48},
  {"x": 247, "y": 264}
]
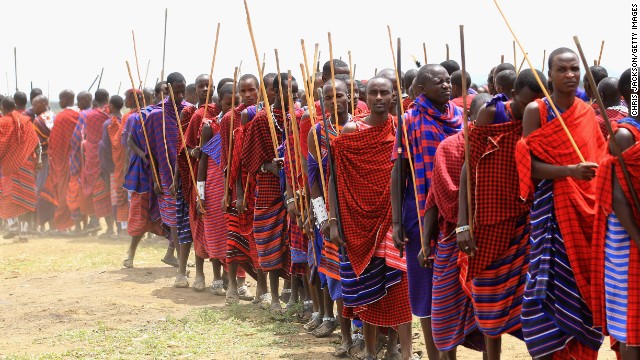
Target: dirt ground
[{"x": 63, "y": 297}]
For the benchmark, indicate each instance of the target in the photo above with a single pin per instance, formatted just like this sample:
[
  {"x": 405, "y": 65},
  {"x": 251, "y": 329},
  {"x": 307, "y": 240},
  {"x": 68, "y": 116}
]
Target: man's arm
[
  {"x": 430, "y": 231},
  {"x": 464, "y": 238},
  {"x": 396, "y": 199},
  {"x": 486, "y": 115}
]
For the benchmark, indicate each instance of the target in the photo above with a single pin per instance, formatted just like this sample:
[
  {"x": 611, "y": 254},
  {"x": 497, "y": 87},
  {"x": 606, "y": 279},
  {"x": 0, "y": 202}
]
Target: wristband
[
  {"x": 262, "y": 169},
  {"x": 201, "y": 189},
  {"x": 320, "y": 211},
  {"x": 463, "y": 228},
  {"x": 290, "y": 200}
]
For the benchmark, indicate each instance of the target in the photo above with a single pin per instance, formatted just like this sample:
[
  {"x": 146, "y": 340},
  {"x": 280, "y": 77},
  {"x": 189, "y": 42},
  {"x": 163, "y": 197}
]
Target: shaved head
[
  {"x": 66, "y": 98},
  {"x": 340, "y": 85},
  {"x": 608, "y": 89},
  {"x": 84, "y": 100}
]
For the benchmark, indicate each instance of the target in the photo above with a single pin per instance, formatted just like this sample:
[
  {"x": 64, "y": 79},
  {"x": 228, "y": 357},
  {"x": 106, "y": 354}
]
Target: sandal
[
  {"x": 181, "y": 281},
  {"x": 342, "y": 351},
  {"x": 217, "y": 288},
  {"x": 198, "y": 283},
  {"x": 232, "y": 298},
  {"x": 314, "y": 323},
  {"x": 285, "y": 295},
  {"x": 244, "y": 293},
  {"x": 265, "y": 301},
  {"x": 357, "y": 346},
  {"x": 325, "y": 329}
]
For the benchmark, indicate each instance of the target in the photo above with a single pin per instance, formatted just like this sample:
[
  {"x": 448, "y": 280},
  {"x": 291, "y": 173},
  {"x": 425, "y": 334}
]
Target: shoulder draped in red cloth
[
  {"x": 95, "y": 119},
  {"x": 364, "y": 191},
  {"x": 18, "y": 140},
  {"x": 614, "y": 114},
  {"x": 604, "y": 192},
  {"x": 458, "y": 101},
  {"x": 574, "y": 200},
  {"x": 495, "y": 190}
]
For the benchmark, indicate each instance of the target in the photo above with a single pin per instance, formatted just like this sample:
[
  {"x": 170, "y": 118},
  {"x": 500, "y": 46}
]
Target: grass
[
  {"x": 213, "y": 333},
  {"x": 36, "y": 257}
]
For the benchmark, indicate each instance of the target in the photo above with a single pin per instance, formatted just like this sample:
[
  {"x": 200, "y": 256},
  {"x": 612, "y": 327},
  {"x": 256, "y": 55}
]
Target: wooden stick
[
  {"x": 93, "y": 83},
  {"x": 600, "y": 56},
  {"x": 146, "y": 73},
  {"x": 164, "y": 135},
  {"x": 119, "y": 86},
  {"x": 544, "y": 59},
  {"x": 467, "y": 130},
  {"x": 333, "y": 80},
  {"x": 501, "y": 59},
  {"x": 296, "y": 145},
  {"x": 318, "y": 63},
  {"x": 184, "y": 144},
  {"x": 100, "y": 80},
  {"x": 15, "y": 65},
  {"x": 375, "y": 72},
  {"x": 521, "y": 63},
  {"x": 213, "y": 62},
  {"x": 353, "y": 105},
  {"x": 542, "y": 86},
  {"x": 306, "y": 63},
  {"x": 612, "y": 136},
  {"x": 144, "y": 128},
  {"x": 233, "y": 112},
  {"x": 135, "y": 52},
  {"x": 406, "y": 136},
  {"x": 267, "y": 106},
  {"x": 316, "y": 56},
  {"x": 424, "y": 51},
  {"x": 318, "y": 154},
  {"x": 447, "y": 45},
  {"x": 164, "y": 44},
  {"x": 595, "y": 62},
  {"x": 514, "y": 53}
]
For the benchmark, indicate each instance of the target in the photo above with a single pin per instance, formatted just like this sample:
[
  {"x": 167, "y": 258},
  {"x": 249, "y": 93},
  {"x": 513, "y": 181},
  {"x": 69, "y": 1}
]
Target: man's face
[
  {"x": 248, "y": 92},
  {"x": 437, "y": 86},
  {"x": 379, "y": 96},
  {"x": 565, "y": 73},
  {"x": 271, "y": 93},
  {"x": 341, "y": 99},
  {"x": 40, "y": 106},
  {"x": 226, "y": 102},
  {"x": 129, "y": 101},
  {"x": 179, "y": 89},
  {"x": 202, "y": 85},
  {"x": 162, "y": 93}
]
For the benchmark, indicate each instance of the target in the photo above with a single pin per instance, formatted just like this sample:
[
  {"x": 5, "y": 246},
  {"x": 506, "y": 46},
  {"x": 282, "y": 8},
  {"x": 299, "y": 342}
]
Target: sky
[{"x": 56, "y": 49}]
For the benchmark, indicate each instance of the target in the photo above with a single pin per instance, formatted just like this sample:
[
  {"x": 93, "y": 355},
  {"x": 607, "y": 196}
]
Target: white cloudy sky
[{"x": 56, "y": 46}]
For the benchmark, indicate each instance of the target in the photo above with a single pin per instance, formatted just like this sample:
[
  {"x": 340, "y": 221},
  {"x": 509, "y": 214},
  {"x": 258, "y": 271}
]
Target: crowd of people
[{"x": 526, "y": 227}]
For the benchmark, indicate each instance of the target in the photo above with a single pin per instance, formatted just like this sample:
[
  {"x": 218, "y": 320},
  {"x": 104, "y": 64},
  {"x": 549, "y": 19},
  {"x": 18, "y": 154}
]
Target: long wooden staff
[
  {"x": 501, "y": 59},
  {"x": 424, "y": 52},
  {"x": 93, "y": 83},
  {"x": 267, "y": 106},
  {"x": 233, "y": 112},
  {"x": 404, "y": 130},
  {"x": 447, "y": 51},
  {"x": 318, "y": 154},
  {"x": 184, "y": 145},
  {"x": 521, "y": 63},
  {"x": 146, "y": 73},
  {"x": 144, "y": 128},
  {"x": 164, "y": 135},
  {"x": 15, "y": 65},
  {"x": 542, "y": 86},
  {"x": 333, "y": 80},
  {"x": 135, "y": 52},
  {"x": 119, "y": 86},
  {"x": 332, "y": 169},
  {"x": 213, "y": 62},
  {"x": 100, "y": 80},
  {"x": 353, "y": 104},
  {"x": 514, "y": 53},
  {"x": 292, "y": 169},
  {"x": 296, "y": 144},
  {"x": 164, "y": 44},
  {"x": 467, "y": 130},
  {"x": 544, "y": 59},
  {"x": 607, "y": 123},
  {"x": 600, "y": 56}
]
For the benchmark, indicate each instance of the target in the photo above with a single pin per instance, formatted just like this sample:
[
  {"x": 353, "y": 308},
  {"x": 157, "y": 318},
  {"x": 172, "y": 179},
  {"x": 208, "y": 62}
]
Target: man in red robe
[
  {"x": 456, "y": 89},
  {"x": 19, "y": 154},
  {"x": 612, "y": 100},
  {"x": 59, "y": 152}
]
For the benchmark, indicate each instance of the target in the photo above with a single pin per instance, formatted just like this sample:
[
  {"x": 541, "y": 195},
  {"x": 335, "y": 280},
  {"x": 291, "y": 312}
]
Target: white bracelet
[
  {"x": 201, "y": 190},
  {"x": 462, "y": 229},
  {"x": 320, "y": 211},
  {"x": 290, "y": 200}
]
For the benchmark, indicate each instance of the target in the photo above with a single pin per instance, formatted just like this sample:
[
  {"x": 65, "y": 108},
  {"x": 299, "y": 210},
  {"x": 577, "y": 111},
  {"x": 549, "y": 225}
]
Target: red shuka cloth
[
  {"x": 59, "y": 151},
  {"x": 458, "y": 101},
  {"x": 495, "y": 190},
  {"x": 119, "y": 156},
  {"x": 364, "y": 191},
  {"x": 574, "y": 200},
  {"x": 604, "y": 192},
  {"x": 15, "y": 129},
  {"x": 95, "y": 119}
]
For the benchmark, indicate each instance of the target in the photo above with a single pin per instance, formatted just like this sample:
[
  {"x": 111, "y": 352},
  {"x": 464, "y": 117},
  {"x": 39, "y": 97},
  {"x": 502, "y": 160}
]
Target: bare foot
[{"x": 198, "y": 283}]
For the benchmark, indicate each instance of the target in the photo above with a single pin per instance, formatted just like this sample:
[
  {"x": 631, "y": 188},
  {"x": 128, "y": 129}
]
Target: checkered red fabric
[
  {"x": 495, "y": 190},
  {"x": 17, "y": 141},
  {"x": 604, "y": 191},
  {"x": 390, "y": 311},
  {"x": 225, "y": 131},
  {"x": 363, "y": 180},
  {"x": 574, "y": 200},
  {"x": 445, "y": 184},
  {"x": 613, "y": 114},
  {"x": 95, "y": 119}
]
